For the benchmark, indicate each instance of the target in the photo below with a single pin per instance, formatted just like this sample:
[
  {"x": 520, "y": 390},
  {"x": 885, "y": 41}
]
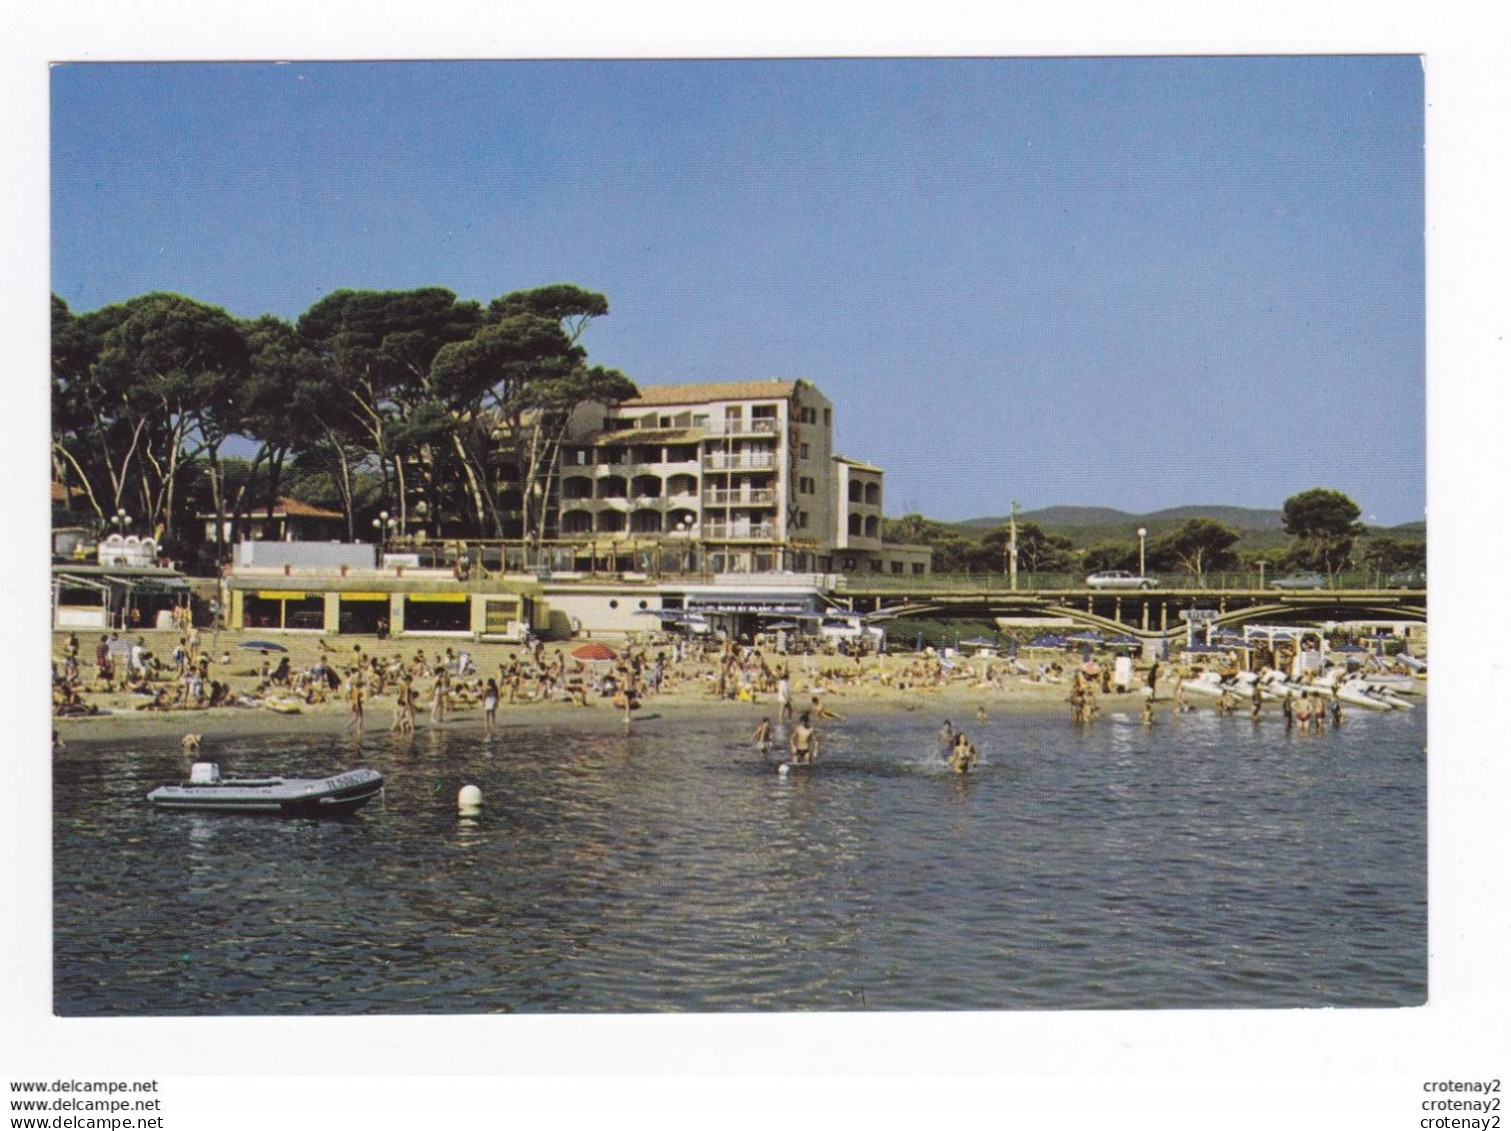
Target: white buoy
[
  {"x": 469, "y": 800},
  {"x": 782, "y": 770}
]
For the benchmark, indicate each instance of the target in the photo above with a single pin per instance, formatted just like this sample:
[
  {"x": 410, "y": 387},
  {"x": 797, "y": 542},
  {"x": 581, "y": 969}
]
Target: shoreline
[
  {"x": 123, "y": 725},
  {"x": 866, "y": 689}
]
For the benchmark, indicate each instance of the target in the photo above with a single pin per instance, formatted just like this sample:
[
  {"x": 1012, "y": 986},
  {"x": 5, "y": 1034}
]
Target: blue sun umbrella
[{"x": 262, "y": 645}]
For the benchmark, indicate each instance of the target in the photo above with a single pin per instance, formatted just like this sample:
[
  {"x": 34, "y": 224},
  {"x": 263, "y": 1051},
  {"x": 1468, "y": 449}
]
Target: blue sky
[{"x": 1134, "y": 283}]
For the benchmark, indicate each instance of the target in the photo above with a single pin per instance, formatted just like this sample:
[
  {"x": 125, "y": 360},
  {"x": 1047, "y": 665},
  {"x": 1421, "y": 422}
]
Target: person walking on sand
[{"x": 438, "y": 696}]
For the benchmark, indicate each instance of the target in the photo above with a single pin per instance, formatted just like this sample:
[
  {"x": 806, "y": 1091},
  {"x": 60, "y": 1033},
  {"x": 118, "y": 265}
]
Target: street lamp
[
  {"x": 121, "y": 519},
  {"x": 384, "y": 526},
  {"x": 1142, "y": 534},
  {"x": 685, "y": 528}
]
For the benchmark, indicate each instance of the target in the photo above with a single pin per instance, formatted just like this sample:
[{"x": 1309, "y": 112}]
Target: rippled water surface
[{"x": 1204, "y": 863}]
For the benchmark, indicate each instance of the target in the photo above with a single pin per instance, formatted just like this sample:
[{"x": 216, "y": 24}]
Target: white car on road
[{"x": 1120, "y": 579}]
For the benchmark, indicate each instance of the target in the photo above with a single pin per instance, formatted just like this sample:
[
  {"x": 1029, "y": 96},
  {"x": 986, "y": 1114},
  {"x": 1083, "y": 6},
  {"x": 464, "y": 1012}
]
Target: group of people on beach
[{"x": 449, "y": 679}]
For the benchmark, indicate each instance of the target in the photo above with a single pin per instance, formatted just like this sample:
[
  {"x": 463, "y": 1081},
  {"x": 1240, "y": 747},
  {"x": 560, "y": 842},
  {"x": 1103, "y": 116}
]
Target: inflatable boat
[{"x": 331, "y": 796}]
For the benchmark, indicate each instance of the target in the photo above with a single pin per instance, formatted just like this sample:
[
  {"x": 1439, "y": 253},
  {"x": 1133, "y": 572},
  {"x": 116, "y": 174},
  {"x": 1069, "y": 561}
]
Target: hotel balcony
[
  {"x": 739, "y": 532},
  {"x": 762, "y": 427},
  {"x": 756, "y": 497},
  {"x": 750, "y": 461}
]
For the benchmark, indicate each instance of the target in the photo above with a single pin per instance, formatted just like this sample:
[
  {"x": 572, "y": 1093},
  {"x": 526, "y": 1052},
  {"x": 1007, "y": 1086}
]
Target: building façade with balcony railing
[{"x": 735, "y": 477}]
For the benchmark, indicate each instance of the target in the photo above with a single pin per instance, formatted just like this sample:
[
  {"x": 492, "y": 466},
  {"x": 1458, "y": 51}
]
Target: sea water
[{"x": 1204, "y": 862}]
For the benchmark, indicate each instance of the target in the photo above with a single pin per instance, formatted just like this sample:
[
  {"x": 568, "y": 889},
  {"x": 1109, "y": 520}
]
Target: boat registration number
[{"x": 355, "y": 777}]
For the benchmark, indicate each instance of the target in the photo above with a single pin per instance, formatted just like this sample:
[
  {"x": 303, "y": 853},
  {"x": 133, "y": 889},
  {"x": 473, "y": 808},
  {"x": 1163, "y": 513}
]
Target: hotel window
[
  {"x": 828, "y": 418},
  {"x": 918, "y": 567},
  {"x": 896, "y": 567},
  {"x": 875, "y": 566},
  {"x": 802, "y": 520},
  {"x": 802, "y": 451}
]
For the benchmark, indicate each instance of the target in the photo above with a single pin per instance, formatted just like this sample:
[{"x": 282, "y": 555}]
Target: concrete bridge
[{"x": 1152, "y": 615}]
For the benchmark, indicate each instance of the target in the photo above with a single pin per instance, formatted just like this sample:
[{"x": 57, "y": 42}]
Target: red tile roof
[
  {"x": 775, "y": 388},
  {"x": 287, "y": 508}
]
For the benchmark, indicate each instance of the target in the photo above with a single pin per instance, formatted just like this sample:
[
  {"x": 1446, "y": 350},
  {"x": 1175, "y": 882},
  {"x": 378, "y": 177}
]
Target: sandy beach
[{"x": 847, "y": 689}]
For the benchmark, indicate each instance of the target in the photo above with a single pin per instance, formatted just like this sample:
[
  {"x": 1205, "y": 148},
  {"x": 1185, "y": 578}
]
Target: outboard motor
[{"x": 204, "y": 773}]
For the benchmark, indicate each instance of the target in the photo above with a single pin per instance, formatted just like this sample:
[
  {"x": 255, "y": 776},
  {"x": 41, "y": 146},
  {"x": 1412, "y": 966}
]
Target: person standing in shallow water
[
  {"x": 490, "y": 706},
  {"x": 762, "y": 736},
  {"x": 354, "y": 699},
  {"x": 803, "y": 742}
]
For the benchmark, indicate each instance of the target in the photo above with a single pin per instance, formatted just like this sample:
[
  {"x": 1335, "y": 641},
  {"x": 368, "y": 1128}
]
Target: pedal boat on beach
[{"x": 332, "y": 796}]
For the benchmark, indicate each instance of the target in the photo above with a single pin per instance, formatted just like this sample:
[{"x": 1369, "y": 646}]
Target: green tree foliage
[
  {"x": 1107, "y": 555},
  {"x": 1324, "y": 524},
  {"x": 140, "y": 390},
  {"x": 1394, "y": 555},
  {"x": 1200, "y": 545},
  {"x": 511, "y": 388},
  {"x": 953, "y": 552},
  {"x": 376, "y": 349},
  {"x": 369, "y": 387},
  {"x": 1038, "y": 551}
]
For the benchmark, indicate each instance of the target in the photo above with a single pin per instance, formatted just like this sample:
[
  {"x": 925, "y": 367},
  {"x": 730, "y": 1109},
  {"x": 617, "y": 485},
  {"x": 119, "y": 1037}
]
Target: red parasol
[{"x": 593, "y": 651}]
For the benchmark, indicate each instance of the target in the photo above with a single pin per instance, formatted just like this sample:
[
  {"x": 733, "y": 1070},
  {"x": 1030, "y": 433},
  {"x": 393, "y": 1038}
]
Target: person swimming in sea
[{"x": 963, "y": 756}]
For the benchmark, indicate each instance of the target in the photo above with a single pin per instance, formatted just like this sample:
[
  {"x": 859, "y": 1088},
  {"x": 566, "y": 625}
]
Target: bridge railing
[{"x": 1167, "y": 580}]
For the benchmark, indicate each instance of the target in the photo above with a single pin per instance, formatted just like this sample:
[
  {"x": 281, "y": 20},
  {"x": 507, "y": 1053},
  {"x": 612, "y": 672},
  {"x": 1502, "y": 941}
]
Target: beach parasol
[
  {"x": 593, "y": 651},
  {"x": 262, "y": 645}
]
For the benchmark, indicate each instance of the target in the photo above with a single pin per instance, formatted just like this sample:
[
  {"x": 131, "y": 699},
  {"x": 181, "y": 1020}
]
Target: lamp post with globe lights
[{"x": 384, "y": 527}]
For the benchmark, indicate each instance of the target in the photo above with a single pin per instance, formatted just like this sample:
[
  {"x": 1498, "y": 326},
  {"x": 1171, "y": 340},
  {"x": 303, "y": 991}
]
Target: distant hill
[
  {"x": 1261, "y": 530},
  {"x": 1087, "y": 518}
]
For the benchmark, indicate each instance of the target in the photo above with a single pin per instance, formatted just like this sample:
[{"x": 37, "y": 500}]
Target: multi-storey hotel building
[{"x": 741, "y": 476}]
